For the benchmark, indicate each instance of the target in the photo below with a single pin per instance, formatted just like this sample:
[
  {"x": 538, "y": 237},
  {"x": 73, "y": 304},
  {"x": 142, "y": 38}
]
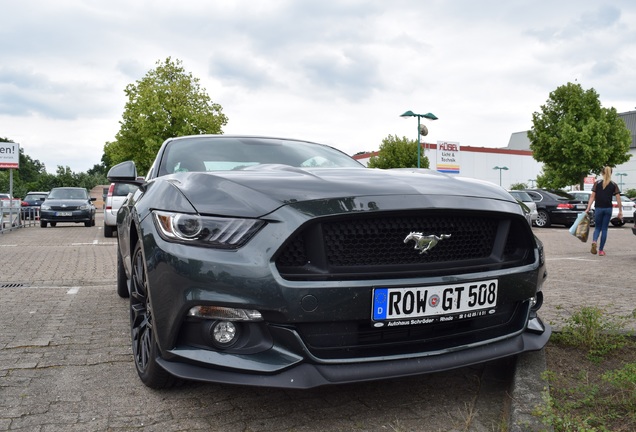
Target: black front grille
[
  {"x": 370, "y": 246},
  {"x": 66, "y": 208},
  {"x": 338, "y": 340}
]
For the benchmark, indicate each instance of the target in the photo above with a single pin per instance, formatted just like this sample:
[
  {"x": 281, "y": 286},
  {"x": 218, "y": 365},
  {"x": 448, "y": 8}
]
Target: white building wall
[
  {"x": 480, "y": 165},
  {"x": 478, "y": 162},
  {"x": 629, "y": 168}
]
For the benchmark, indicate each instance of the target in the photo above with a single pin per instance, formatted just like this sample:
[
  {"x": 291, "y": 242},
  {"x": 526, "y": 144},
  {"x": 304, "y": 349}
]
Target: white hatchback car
[
  {"x": 117, "y": 193},
  {"x": 628, "y": 206}
]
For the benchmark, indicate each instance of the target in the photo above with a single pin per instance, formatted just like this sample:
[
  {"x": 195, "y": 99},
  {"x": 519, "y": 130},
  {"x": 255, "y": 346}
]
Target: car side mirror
[{"x": 125, "y": 172}]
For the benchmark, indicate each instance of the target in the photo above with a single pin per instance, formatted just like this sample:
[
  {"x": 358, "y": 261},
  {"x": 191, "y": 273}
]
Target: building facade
[{"x": 488, "y": 163}]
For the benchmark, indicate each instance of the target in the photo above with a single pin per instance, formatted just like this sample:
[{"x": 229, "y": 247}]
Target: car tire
[
  {"x": 88, "y": 224},
  {"x": 53, "y": 224},
  {"x": 144, "y": 346},
  {"x": 543, "y": 219},
  {"x": 42, "y": 224},
  {"x": 122, "y": 281},
  {"x": 108, "y": 231}
]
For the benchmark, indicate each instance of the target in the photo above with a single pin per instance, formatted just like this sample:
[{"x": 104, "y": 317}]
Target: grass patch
[{"x": 591, "y": 375}]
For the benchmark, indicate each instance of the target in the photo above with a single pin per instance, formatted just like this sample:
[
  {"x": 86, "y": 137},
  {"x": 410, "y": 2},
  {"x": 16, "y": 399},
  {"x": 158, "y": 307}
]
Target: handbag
[
  {"x": 576, "y": 223},
  {"x": 583, "y": 228}
]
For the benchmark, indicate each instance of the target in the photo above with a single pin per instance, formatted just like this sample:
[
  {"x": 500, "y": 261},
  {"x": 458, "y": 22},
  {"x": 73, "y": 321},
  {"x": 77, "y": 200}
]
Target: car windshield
[
  {"x": 521, "y": 196},
  {"x": 68, "y": 194},
  {"x": 34, "y": 198},
  {"x": 561, "y": 195},
  {"x": 624, "y": 199},
  {"x": 239, "y": 153}
]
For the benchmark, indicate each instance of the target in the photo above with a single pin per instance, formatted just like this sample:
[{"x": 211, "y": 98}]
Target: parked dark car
[
  {"x": 67, "y": 204},
  {"x": 31, "y": 204},
  {"x": 285, "y": 263},
  {"x": 555, "y": 207}
]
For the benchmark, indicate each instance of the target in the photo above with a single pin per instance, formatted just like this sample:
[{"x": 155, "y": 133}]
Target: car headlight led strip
[{"x": 218, "y": 232}]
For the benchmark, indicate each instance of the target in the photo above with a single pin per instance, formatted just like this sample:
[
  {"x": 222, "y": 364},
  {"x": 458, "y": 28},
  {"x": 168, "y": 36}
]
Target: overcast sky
[{"x": 338, "y": 72}]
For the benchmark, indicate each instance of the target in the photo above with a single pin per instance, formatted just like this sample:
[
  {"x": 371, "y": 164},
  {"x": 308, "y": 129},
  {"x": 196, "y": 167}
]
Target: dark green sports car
[{"x": 285, "y": 263}]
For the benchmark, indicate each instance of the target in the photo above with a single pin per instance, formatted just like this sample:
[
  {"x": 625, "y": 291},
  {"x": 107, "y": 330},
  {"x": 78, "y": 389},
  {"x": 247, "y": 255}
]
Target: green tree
[
  {"x": 165, "y": 103},
  {"x": 25, "y": 177},
  {"x": 397, "y": 153},
  {"x": 518, "y": 186},
  {"x": 574, "y": 136}
]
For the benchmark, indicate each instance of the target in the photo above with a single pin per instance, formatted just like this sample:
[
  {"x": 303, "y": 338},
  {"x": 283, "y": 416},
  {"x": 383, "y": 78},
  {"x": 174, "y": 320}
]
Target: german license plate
[
  {"x": 64, "y": 214},
  {"x": 431, "y": 301}
]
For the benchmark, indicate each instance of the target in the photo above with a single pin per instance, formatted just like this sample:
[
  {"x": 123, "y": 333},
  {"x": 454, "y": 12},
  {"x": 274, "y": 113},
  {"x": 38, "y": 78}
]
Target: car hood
[{"x": 260, "y": 190}]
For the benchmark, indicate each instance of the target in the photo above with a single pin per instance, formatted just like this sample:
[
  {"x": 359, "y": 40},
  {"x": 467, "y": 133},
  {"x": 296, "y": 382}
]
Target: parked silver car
[
  {"x": 117, "y": 193},
  {"x": 528, "y": 201}
]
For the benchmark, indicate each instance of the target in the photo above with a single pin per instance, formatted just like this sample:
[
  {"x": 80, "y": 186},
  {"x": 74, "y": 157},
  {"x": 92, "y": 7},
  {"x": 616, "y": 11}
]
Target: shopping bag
[
  {"x": 583, "y": 229},
  {"x": 576, "y": 223}
]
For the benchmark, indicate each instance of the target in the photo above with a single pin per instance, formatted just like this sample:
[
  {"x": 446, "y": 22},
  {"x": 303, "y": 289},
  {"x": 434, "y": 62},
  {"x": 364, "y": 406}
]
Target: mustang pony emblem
[{"x": 425, "y": 243}]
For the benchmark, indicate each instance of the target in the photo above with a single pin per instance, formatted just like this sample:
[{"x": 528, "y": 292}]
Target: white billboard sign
[
  {"x": 9, "y": 155},
  {"x": 448, "y": 157}
]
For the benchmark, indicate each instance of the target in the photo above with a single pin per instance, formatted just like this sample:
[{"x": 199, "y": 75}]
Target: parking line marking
[
  {"x": 94, "y": 243},
  {"x": 571, "y": 259},
  {"x": 73, "y": 290}
]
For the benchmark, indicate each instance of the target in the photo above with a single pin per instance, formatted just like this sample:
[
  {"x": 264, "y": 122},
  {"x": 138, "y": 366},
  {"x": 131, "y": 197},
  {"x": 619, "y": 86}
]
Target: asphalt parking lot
[{"x": 66, "y": 364}]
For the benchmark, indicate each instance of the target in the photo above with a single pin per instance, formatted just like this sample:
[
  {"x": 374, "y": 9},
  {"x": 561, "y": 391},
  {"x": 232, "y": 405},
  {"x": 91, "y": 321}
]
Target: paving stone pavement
[{"x": 66, "y": 364}]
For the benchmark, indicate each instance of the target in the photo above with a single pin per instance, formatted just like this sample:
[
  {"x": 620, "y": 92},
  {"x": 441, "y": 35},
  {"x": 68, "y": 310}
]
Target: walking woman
[{"x": 602, "y": 193}]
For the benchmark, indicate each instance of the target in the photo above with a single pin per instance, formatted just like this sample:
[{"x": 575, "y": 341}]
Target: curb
[{"x": 527, "y": 393}]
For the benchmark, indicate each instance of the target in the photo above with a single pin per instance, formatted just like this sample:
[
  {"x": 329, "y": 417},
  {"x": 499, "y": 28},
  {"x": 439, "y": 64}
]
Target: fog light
[
  {"x": 537, "y": 301},
  {"x": 224, "y": 333}
]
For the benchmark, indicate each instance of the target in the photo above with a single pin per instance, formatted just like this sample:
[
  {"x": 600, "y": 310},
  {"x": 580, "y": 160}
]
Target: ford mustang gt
[{"x": 284, "y": 263}]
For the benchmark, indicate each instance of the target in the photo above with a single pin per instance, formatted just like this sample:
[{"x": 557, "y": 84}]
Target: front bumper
[
  {"x": 68, "y": 216},
  {"x": 303, "y": 375}
]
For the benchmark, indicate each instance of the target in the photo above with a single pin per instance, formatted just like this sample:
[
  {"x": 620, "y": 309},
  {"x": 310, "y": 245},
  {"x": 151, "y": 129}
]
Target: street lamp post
[
  {"x": 503, "y": 168},
  {"x": 620, "y": 182},
  {"x": 429, "y": 116},
  {"x": 532, "y": 181}
]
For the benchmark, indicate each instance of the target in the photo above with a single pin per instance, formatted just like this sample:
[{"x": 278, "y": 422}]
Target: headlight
[
  {"x": 45, "y": 207},
  {"x": 84, "y": 207},
  {"x": 218, "y": 232}
]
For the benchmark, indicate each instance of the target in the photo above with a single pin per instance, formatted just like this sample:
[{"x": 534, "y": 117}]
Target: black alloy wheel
[{"x": 144, "y": 346}]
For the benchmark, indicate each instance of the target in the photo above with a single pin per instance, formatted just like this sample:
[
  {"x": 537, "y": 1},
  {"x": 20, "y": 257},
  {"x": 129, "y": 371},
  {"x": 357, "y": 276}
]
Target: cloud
[{"x": 336, "y": 71}]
